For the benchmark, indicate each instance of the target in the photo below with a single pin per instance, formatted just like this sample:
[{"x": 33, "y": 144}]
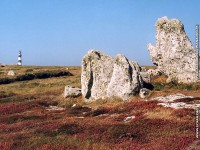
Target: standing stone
[
  {"x": 126, "y": 80},
  {"x": 173, "y": 53},
  {"x": 97, "y": 69},
  {"x": 102, "y": 76}
]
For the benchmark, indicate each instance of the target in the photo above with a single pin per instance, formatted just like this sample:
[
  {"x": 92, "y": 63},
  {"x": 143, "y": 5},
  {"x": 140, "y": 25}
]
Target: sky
[{"x": 60, "y": 32}]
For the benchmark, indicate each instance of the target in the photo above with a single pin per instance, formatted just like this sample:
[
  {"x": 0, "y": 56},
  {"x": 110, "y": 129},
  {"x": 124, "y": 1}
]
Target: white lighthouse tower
[{"x": 19, "y": 63}]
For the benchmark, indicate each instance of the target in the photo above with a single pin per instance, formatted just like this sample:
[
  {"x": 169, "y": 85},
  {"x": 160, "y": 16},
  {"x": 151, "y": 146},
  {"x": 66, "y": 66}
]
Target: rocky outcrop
[
  {"x": 178, "y": 101},
  {"x": 102, "y": 76},
  {"x": 71, "y": 91},
  {"x": 173, "y": 53}
]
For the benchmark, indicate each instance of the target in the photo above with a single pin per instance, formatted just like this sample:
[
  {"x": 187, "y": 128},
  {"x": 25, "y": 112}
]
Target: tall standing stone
[
  {"x": 97, "y": 69},
  {"x": 173, "y": 53},
  {"x": 126, "y": 80}
]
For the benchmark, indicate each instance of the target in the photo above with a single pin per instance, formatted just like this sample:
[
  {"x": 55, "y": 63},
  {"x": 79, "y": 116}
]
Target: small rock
[
  {"x": 74, "y": 105},
  {"x": 71, "y": 91},
  {"x": 129, "y": 118},
  {"x": 144, "y": 93},
  {"x": 79, "y": 117},
  {"x": 11, "y": 73},
  {"x": 50, "y": 108}
]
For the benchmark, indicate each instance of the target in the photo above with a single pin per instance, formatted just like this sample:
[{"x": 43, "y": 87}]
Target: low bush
[
  {"x": 6, "y": 80},
  {"x": 38, "y": 75},
  {"x": 24, "y": 77}
]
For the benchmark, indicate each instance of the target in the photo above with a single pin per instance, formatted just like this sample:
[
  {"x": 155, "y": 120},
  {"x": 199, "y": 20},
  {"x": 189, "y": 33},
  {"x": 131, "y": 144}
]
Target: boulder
[
  {"x": 11, "y": 73},
  {"x": 71, "y": 91},
  {"x": 173, "y": 53},
  {"x": 102, "y": 76}
]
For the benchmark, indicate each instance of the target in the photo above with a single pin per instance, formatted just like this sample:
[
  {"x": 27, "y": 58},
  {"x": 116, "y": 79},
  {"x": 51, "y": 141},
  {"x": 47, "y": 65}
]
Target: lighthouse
[{"x": 19, "y": 63}]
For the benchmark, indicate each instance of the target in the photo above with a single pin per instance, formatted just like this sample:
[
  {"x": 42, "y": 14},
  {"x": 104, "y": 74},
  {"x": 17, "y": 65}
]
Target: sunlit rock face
[
  {"x": 173, "y": 53},
  {"x": 105, "y": 77},
  {"x": 126, "y": 80}
]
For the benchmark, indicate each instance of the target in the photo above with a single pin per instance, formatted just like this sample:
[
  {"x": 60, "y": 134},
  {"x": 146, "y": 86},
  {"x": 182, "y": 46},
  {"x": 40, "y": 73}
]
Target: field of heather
[{"x": 34, "y": 115}]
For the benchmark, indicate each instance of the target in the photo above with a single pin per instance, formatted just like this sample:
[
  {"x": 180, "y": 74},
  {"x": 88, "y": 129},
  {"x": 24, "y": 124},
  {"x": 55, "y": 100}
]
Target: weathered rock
[
  {"x": 71, "y": 91},
  {"x": 126, "y": 80},
  {"x": 11, "y": 73},
  {"x": 102, "y": 76},
  {"x": 144, "y": 92},
  {"x": 97, "y": 69},
  {"x": 173, "y": 53}
]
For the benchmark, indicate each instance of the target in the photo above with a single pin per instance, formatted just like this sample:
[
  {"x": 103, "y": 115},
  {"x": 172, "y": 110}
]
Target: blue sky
[{"x": 60, "y": 32}]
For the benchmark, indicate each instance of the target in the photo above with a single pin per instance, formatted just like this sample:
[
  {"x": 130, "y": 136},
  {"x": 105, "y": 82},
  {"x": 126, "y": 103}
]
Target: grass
[{"x": 26, "y": 124}]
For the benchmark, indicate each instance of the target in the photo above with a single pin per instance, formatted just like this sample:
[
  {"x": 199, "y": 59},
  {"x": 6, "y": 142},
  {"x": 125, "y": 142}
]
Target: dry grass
[
  {"x": 160, "y": 113},
  {"x": 26, "y": 124}
]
